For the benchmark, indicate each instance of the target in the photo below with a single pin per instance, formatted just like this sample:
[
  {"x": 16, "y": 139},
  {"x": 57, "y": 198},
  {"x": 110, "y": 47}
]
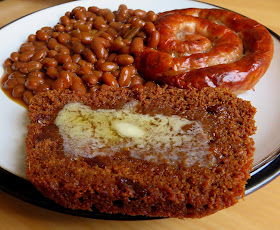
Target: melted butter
[{"x": 159, "y": 138}]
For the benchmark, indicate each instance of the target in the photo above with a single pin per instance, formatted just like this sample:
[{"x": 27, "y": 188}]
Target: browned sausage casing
[{"x": 207, "y": 47}]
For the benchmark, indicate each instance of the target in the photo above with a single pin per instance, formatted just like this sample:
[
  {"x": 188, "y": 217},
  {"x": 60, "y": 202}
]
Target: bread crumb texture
[{"x": 193, "y": 161}]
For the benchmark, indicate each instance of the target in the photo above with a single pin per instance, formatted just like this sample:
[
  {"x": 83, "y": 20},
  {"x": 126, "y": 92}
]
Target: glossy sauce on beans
[{"x": 88, "y": 49}]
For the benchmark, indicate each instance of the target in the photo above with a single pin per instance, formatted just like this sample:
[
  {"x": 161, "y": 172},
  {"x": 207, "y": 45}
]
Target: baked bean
[
  {"x": 76, "y": 34},
  {"x": 117, "y": 44},
  {"x": 64, "y": 81},
  {"x": 142, "y": 35},
  {"x": 124, "y": 59},
  {"x": 52, "y": 53},
  {"x": 136, "y": 80},
  {"x": 127, "y": 42},
  {"x": 87, "y": 38},
  {"x": 13, "y": 82},
  {"x": 124, "y": 50},
  {"x": 8, "y": 62},
  {"x": 101, "y": 12},
  {"x": 55, "y": 34},
  {"x": 39, "y": 55},
  {"x": 80, "y": 15},
  {"x": 107, "y": 36},
  {"x": 33, "y": 82},
  {"x": 116, "y": 25},
  {"x": 47, "y": 29},
  {"x": 62, "y": 49},
  {"x": 137, "y": 87},
  {"x": 31, "y": 38},
  {"x": 70, "y": 66},
  {"x": 60, "y": 68},
  {"x": 64, "y": 20},
  {"x": 132, "y": 69},
  {"x": 68, "y": 14},
  {"x": 150, "y": 84},
  {"x": 109, "y": 79},
  {"x": 36, "y": 74},
  {"x": 62, "y": 58},
  {"x": 104, "y": 87},
  {"x": 109, "y": 16},
  {"x": 78, "y": 48},
  {"x": 94, "y": 88},
  {"x": 76, "y": 58},
  {"x": 99, "y": 63},
  {"x": 138, "y": 23},
  {"x": 49, "y": 62},
  {"x": 116, "y": 73},
  {"x": 30, "y": 66},
  {"x": 97, "y": 74},
  {"x": 153, "y": 40},
  {"x": 125, "y": 29},
  {"x": 99, "y": 23},
  {"x": 139, "y": 13},
  {"x": 112, "y": 57},
  {"x": 149, "y": 27},
  {"x": 73, "y": 20},
  {"x": 15, "y": 56},
  {"x": 112, "y": 32},
  {"x": 42, "y": 88},
  {"x": 18, "y": 91},
  {"x": 125, "y": 77},
  {"x": 27, "y": 96},
  {"x": 52, "y": 72},
  {"x": 77, "y": 84},
  {"x": 108, "y": 66},
  {"x": 122, "y": 13},
  {"x": 59, "y": 28},
  {"x": 85, "y": 63},
  {"x": 42, "y": 47},
  {"x": 26, "y": 47},
  {"x": 16, "y": 74},
  {"x": 137, "y": 46},
  {"x": 88, "y": 14},
  {"x": 84, "y": 70},
  {"x": 52, "y": 43},
  {"x": 99, "y": 46},
  {"x": 151, "y": 16},
  {"x": 89, "y": 55},
  {"x": 63, "y": 38},
  {"x": 93, "y": 9},
  {"x": 85, "y": 28},
  {"x": 92, "y": 17},
  {"x": 68, "y": 28},
  {"x": 130, "y": 12},
  {"x": 17, "y": 65},
  {"x": 42, "y": 35}
]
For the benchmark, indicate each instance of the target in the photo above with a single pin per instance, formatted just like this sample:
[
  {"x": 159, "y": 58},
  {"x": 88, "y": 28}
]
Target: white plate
[{"x": 13, "y": 119}]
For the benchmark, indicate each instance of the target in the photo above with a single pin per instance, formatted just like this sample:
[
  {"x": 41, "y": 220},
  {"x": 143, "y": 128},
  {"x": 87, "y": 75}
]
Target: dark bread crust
[{"x": 120, "y": 184}]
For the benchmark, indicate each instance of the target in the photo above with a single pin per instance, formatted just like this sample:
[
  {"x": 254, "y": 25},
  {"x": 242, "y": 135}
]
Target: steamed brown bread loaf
[{"x": 120, "y": 181}]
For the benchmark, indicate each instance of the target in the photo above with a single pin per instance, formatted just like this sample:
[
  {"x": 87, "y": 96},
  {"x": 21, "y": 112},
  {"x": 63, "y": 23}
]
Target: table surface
[{"x": 260, "y": 210}]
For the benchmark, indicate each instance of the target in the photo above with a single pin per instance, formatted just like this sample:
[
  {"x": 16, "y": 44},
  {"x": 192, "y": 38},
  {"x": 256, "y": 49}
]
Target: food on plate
[
  {"x": 207, "y": 47},
  {"x": 99, "y": 48},
  {"x": 88, "y": 49},
  {"x": 155, "y": 151}
]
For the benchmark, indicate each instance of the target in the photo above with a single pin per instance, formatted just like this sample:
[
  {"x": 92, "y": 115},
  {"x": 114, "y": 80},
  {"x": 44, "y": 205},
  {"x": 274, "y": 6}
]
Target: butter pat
[
  {"x": 103, "y": 132},
  {"x": 126, "y": 129}
]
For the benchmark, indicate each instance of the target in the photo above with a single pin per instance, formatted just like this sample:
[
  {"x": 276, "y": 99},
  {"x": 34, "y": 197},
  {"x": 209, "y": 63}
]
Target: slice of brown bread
[{"x": 120, "y": 182}]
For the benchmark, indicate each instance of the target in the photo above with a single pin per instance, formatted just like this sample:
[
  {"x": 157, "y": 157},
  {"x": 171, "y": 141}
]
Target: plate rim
[{"x": 263, "y": 173}]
